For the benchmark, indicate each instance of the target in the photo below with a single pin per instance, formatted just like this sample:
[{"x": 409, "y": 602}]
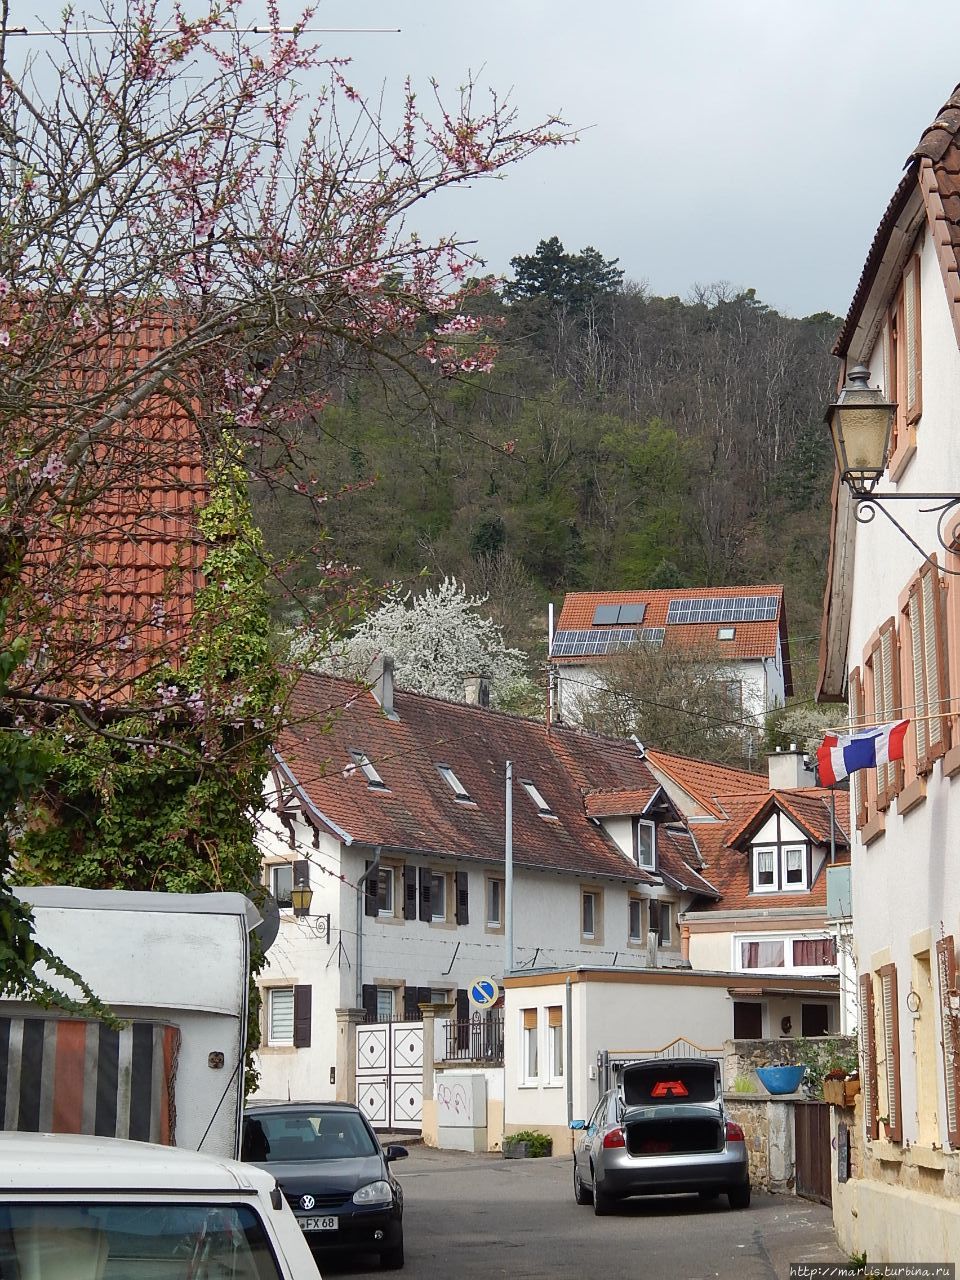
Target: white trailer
[{"x": 176, "y": 969}]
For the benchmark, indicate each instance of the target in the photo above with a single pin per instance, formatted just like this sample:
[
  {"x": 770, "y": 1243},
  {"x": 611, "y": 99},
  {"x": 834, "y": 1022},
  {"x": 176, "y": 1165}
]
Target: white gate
[{"x": 390, "y": 1074}]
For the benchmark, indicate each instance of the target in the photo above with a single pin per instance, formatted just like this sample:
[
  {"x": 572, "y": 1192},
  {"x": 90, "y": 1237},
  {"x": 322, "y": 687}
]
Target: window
[
  {"x": 766, "y": 877},
  {"x": 280, "y": 1016},
  {"x": 793, "y": 866},
  {"x": 588, "y": 914},
  {"x": 726, "y": 633},
  {"x": 747, "y": 1020},
  {"x": 555, "y": 1042},
  {"x": 361, "y": 762},
  {"x": 644, "y": 843},
  {"x": 438, "y": 896},
  {"x": 385, "y": 876},
  {"x": 814, "y": 953},
  {"x": 666, "y": 924},
  {"x": 542, "y": 807},
  {"x": 814, "y": 1020},
  {"x": 635, "y": 930},
  {"x": 385, "y": 1004},
  {"x": 453, "y": 782},
  {"x": 530, "y": 1061},
  {"x": 762, "y": 955},
  {"x": 902, "y": 361},
  {"x": 281, "y": 884},
  {"x": 495, "y": 891}
]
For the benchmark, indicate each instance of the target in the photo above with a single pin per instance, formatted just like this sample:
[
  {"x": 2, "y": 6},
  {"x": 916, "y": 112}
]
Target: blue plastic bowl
[{"x": 781, "y": 1079}]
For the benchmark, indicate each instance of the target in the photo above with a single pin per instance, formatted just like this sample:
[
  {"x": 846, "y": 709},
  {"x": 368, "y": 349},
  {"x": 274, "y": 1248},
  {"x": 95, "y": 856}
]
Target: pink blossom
[{"x": 4, "y": 338}]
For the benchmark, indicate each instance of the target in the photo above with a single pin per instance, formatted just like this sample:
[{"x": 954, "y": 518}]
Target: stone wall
[{"x": 767, "y": 1126}]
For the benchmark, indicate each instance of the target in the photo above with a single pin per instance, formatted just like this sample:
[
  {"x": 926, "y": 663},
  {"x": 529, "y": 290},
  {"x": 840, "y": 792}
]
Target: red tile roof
[
  {"x": 418, "y": 810},
  {"x": 705, "y": 781},
  {"x": 114, "y": 594},
  {"x": 726, "y": 858},
  {"x": 751, "y": 639}
]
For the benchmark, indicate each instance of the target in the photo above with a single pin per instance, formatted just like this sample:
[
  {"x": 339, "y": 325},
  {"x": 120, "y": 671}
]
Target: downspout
[
  {"x": 568, "y": 1021},
  {"x": 361, "y": 895}
]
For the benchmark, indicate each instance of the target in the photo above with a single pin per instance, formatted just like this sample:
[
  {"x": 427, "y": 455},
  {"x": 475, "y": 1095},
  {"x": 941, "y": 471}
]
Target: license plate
[{"x": 318, "y": 1224}]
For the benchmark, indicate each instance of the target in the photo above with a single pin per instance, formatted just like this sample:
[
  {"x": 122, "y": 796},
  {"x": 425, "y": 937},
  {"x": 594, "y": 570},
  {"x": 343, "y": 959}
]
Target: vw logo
[{"x": 307, "y": 1202}]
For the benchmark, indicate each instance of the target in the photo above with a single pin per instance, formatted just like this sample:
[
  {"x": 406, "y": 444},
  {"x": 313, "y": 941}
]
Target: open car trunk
[
  {"x": 671, "y": 1082},
  {"x": 657, "y": 1131}
]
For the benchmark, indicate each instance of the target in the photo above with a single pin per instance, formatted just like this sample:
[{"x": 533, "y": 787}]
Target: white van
[{"x": 84, "y": 1208}]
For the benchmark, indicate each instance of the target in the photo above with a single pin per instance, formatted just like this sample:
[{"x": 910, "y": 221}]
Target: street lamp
[
  {"x": 861, "y": 424},
  {"x": 301, "y": 895}
]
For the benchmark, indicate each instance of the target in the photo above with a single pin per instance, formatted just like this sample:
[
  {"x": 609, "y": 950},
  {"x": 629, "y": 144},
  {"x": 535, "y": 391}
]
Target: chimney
[
  {"x": 789, "y": 769},
  {"x": 476, "y": 691},
  {"x": 380, "y": 680}
]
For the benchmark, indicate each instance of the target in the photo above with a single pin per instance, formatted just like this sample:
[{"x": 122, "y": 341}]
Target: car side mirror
[
  {"x": 394, "y": 1152},
  {"x": 578, "y": 1124}
]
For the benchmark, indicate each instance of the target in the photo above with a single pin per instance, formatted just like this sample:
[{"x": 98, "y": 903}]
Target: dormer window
[
  {"x": 644, "y": 843},
  {"x": 453, "y": 782},
  {"x": 543, "y": 808},
  {"x": 780, "y": 868},
  {"x": 361, "y": 762}
]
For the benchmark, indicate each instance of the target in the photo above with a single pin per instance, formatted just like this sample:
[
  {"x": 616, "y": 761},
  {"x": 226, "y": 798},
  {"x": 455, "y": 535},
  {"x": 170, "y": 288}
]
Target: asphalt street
[{"x": 469, "y": 1217}]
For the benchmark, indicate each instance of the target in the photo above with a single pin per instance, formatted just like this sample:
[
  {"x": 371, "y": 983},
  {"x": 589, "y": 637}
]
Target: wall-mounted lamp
[
  {"x": 301, "y": 896},
  {"x": 861, "y": 423}
]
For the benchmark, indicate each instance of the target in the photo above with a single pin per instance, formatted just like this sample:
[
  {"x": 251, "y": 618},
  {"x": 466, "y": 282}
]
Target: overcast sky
[{"x": 752, "y": 141}]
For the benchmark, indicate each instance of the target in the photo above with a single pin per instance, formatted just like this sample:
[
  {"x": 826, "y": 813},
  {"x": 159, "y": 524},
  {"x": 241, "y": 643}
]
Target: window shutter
[
  {"x": 655, "y": 916},
  {"x": 411, "y": 1002},
  {"x": 868, "y": 1051},
  {"x": 858, "y": 780},
  {"x": 529, "y": 1019},
  {"x": 891, "y": 1046},
  {"x": 463, "y": 898},
  {"x": 302, "y": 1005},
  {"x": 886, "y": 697},
  {"x": 935, "y": 664},
  {"x": 424, "y": 996},
  {"x": 426, "y": 907},
  {"x": 911, "y": 339},
  {"x": 555, "y": 1015},
  {"x": 368, "y": 997},
  {"x": 409, "y": 893},
  {"x": 371, "y": 890},
  {"x": 463, "y": 1005},
  {"x": 301, "y": 871},
  {"x": 950, "y": 1033},
  {"x": 918, "y": 656}
]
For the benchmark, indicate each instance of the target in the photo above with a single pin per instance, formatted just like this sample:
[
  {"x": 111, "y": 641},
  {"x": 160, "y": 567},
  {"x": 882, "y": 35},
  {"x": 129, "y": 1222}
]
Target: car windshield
[
  {"x": 83, "y": 1241},
  {"x": 306, "y": 1134}
]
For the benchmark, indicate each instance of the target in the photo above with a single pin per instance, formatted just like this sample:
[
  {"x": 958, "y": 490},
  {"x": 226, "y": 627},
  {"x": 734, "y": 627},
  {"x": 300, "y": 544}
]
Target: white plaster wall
[{"x": 905, "y": 882}]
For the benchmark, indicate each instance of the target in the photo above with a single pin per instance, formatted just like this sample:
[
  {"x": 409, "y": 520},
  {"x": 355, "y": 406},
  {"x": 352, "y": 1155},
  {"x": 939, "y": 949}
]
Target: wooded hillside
[{"x": 623, "y": 440}]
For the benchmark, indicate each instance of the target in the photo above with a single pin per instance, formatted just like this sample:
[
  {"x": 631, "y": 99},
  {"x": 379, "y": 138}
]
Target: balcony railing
[{"x": 478, "y": 1040}]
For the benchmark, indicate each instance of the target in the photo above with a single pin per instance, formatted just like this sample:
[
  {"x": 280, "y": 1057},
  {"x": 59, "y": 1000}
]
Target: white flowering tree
[{"x": 437, "y": 639}]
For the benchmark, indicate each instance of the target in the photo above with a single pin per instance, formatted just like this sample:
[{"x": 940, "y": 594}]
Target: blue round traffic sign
[{"x": 484, "y": 993}]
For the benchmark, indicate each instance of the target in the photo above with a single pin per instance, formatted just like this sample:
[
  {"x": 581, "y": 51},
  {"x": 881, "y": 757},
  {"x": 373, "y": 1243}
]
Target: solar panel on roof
[
  {"x": 631, "y": 613},
  {"x": 724, "y": 609},
  {"x": 577, "y": 644},
  {"x": 604, "y": 614}
]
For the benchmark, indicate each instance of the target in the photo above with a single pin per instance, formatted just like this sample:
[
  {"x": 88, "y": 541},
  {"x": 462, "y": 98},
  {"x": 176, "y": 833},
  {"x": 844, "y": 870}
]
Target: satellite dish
[{"x": 269, "y": 925}]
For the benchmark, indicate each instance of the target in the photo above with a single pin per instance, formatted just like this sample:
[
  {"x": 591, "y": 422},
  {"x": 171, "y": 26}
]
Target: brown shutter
[
  {"x": 302, "y": 1007},
  {"x": 426, "y": 907},
  {"x": 911, "y": 341},
  {"x": 529, "y": 1019},
  {"x": 463, "y": 898},
  {"x": 368, "y": 999},
  {"x": 555, "y": 1015},
  {"x": 950, "y": 1033},
  {"x": 932, "y": 601},
  {"x": 371, "y": 891},
  {"x": 887, "y": 705},
  {"x": 409, "y": 893},
  {"x": 858, "y": 780},
  {"x": 891, "y": 1046},
  {"x": 918, "y": 673},
  {"x": 868, "y": 1051},
  {"x": 301, "y": 871}
]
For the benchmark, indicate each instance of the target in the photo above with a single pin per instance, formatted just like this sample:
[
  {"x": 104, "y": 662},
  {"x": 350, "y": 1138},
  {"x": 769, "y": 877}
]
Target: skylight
[
  {"x": 726, "y": 633},
  {"x": 361, "y": 762},
  {"x": 542, "y": 807},
  {"x": 453, "y": 782}
]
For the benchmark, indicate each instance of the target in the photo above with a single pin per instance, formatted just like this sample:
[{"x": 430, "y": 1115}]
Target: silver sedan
[{"x": 662, "y": 1129}]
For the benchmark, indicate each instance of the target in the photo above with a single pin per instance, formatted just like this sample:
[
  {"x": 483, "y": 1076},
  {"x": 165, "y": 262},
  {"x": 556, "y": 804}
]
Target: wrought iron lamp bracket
[{"x": 868, "y": 503}]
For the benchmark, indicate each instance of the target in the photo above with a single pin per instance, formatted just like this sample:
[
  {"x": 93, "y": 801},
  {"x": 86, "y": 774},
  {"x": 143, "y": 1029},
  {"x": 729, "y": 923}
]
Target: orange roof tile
[{"x": 705, "y": 781}]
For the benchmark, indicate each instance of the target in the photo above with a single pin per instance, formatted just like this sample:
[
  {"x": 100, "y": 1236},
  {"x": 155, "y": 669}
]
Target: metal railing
[{"x": 478, "y": 1040}]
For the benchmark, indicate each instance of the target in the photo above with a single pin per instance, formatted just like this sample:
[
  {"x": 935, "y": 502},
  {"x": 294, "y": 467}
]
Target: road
[{"x": 474, "y": 1217}]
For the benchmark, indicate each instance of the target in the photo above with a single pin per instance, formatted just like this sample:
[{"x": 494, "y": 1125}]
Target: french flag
[{"x": 841, "y": 754}]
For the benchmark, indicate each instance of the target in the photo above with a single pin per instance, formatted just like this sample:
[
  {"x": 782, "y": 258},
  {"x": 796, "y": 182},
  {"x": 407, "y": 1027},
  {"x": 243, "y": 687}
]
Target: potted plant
[{"x": 528, "y": 1143}]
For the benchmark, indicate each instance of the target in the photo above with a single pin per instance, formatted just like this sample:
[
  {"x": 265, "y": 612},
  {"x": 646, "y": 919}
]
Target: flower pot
[
  {"x": 514, "y": 1150},
  {"x": 781, "y": 1079}
]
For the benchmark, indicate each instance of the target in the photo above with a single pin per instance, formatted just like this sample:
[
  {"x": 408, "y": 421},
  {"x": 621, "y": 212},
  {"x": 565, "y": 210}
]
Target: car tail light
[
  {"x": 733, "y": 1132},
  {"x": 614, "y": 1138}
]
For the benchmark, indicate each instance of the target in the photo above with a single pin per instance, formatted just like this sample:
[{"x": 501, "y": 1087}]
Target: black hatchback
[{"x": 334, "y": 1174}]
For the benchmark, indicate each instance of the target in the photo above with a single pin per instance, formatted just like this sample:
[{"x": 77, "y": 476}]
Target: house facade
[
  {"x": 891, "y": 646},
  {"x": 391, "y": 806},
  {"x": 743, "y": 628}
]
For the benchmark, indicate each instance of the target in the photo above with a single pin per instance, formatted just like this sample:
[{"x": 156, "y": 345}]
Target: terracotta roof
[
  {"x": 611, "y": 804},
  {"x": 418, "y": 810},
  {"x": 677, "y": 856},
  {"x": 726, "y": 860},
  {"x": 113, "y": 594},
  {"x": 750, "y": 640},
  {"x": 704, "y": 781}
]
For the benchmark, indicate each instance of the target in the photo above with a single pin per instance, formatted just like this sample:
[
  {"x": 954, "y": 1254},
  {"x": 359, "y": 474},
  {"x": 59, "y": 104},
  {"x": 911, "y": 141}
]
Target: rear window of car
[
  {"x": 652, "y": 1086},
  {"x": 307, "y": 1134},
  {"x": 90, "y": 1241}
]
